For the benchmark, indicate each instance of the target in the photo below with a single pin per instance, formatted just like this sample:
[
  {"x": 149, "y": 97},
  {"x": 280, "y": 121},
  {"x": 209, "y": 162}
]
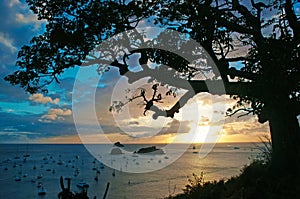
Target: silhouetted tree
[{"x": 263, "y": 39}]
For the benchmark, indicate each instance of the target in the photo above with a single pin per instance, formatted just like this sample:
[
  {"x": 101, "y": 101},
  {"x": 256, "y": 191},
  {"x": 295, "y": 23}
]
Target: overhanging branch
[
  {"x": 292, "y": 19},
  {"x": 175, "y": 109}
]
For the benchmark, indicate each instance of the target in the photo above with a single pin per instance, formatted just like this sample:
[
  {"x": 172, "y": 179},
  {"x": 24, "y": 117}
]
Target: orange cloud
[
  {"x": 55, "y": 114},
  {"x": 40, "y": 98}
]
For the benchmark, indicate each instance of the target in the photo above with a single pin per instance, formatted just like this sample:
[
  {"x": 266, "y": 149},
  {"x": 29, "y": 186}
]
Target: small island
[
  {"x": 118, "y": 144},
  {"x": 151, "y": 149}
]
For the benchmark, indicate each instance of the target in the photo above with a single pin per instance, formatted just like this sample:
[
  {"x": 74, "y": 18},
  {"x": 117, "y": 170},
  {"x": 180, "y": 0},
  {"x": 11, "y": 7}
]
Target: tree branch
[
  {"x": 175, "y": 109},
  {"x": 235, "y": 27},
  {"x": 251, "y": 20},
  {"x": 211, "y": 86},
  {"x": 248, "y": 111},
  {"x": 232, "y": 72},
  {"x": 292, "y": 19},
  {"x": 235, "y": 59}
]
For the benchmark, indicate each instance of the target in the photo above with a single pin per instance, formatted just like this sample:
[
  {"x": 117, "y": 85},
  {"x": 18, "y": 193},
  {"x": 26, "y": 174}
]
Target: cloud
[
  {"x": 133, "y": 123},
  {"x": 14, "y": 128},
  {"x": 143, "y": 130},
  {"x": 55, "y": 114},
  {"x": 40, "y": 98},
  {"x": 23, "y": 14},
  {"x": 204, "y": 121},
  {"x": 17, "y": 133},
  {"x": 249, "y": 125},
  {"x": 12, "y": 3},
  {"x": 7, "y": 42},
  {"x": 29, "y": 19},
  {"x": 175, "y": 126},
  {"x": 21, "y": 18},
  {"x": 10, "y": 110}
]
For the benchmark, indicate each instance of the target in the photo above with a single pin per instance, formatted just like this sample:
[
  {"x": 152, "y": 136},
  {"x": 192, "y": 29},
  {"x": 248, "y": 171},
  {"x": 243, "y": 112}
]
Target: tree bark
[{"x": 285, "y": 135}]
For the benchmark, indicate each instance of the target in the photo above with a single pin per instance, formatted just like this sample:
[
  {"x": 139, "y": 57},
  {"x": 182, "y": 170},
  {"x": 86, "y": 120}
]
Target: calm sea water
[{"x": 53, "y": 161}]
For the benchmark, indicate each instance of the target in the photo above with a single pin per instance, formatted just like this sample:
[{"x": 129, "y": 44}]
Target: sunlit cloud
[
  {"x": 247, "y": 127},
  {"x": 40, "y": 98},
  {"x": 61, "y": 140},
  {"x": 25, "y": 19},
  {"x": 107, "y": 139},
  {"x": 29, "y": 19},
  {"x": 55, "y": 114},
  {"x": 55, "y": 126},
  {"x": 133, "y": 123}
]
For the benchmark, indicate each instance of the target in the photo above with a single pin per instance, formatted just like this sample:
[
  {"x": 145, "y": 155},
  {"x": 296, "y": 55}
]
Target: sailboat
[
  {"x": 17, "y": 178},
  {"x": 97, "y": 173},
  {"x": 96, "y": 178},
  {"x": 101, "y": 165},
  {"x": 26, "y": 155},
  {"x": 17, "y": 156},
  {"x": 42, "y": 191},
  {"x": 94, "y": 167},
  {"x": 82, "y": 184}
]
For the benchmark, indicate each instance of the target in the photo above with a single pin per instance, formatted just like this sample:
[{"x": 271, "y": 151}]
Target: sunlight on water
[{"x": 49, "y": 162}]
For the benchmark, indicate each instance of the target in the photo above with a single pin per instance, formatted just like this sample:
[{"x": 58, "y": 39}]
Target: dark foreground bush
[{"x": 255, "y": 182}]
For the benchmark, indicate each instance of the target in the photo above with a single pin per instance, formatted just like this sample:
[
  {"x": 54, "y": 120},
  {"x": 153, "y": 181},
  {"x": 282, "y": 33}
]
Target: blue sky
[
  {"x": 49, "y": 118},
  {"x": 24, "y": 117},
  {"x": 41, "y": 118}
]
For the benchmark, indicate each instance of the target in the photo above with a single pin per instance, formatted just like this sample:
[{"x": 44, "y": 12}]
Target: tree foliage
[
  {"x": 268, "y": 33},
  {"x": 255, "y": 47}
]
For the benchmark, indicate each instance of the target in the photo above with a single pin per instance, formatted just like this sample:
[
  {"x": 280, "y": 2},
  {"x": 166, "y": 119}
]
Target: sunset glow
[{"x": 42, "y": 118}]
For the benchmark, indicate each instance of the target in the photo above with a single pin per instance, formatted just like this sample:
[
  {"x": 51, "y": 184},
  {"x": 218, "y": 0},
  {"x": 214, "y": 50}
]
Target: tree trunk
[{"x": 285, "y": 135}]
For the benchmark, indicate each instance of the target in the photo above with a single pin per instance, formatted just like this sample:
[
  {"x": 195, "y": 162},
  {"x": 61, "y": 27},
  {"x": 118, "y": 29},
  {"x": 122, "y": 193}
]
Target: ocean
[{"x": 19, "y": 175}]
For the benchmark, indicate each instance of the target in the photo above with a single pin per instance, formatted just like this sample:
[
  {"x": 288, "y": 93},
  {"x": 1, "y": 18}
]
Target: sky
[{"x": 77, "y": 109}]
